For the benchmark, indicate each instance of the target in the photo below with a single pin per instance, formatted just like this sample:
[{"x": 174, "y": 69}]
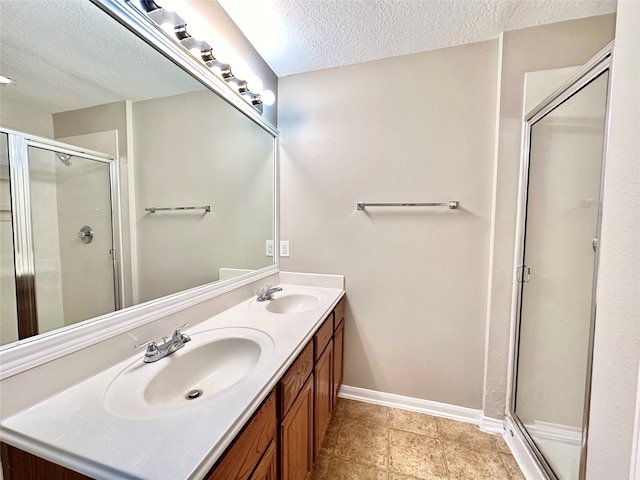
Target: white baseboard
[
  {"x": 437, "y": 409},
  {"x": 555, "y": 432},
  {"x": 492, "y": 425}
]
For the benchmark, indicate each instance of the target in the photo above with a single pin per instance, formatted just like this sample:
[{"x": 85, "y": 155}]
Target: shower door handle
[{"x": 523, "y": 273}]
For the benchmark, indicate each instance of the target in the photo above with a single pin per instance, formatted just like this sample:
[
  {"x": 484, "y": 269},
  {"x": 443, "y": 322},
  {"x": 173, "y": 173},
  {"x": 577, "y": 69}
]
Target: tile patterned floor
[{"x": 372, "y": 442}]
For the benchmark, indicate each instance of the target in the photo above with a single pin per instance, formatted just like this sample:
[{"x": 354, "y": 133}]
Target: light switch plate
[
  {"x": 268, "y": 250},
  {"x": 284, "y": 248}
]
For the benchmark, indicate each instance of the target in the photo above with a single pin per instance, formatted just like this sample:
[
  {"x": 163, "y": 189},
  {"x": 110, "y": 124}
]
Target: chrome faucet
[
  {"x": 264, "y": 293},
  {"x": 169, "y": 345}
]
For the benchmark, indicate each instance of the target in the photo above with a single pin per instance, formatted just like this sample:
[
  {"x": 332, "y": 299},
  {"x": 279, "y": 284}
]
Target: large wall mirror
[{"x": 123, "y": 179}]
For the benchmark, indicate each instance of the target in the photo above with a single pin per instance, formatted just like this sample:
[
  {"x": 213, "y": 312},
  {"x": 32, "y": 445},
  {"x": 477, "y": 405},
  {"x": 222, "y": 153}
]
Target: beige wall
[
  {"x": 531, "y": 49},
  {"x": 411, "y": 128},
  {"x": 222, "y": 160},
  {"x": 617, "y": 340},
  {"x": 16, "y": 116}
]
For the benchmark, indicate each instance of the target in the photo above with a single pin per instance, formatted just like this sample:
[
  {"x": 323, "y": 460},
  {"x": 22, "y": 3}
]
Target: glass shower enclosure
[
  {"x": 564, "y": 157},
  {"x": 59, "y": 263}
]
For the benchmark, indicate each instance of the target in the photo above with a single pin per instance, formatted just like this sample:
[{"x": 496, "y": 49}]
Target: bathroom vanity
[{"x": 268, "y": 375}]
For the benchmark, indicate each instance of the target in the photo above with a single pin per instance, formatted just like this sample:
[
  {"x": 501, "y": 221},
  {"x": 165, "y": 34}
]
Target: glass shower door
[
  {"x": 557, "y": 275},
  {"x": 71, "y": 224},
  {"x": 8, "y": 305}
]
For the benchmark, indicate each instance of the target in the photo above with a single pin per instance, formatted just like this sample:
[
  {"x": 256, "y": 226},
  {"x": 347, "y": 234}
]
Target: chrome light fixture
[{"x": 174, "y": 25}]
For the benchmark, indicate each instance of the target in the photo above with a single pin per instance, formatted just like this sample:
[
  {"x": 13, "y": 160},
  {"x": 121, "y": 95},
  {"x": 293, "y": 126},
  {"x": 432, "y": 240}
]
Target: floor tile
[
  {"x": 466, "y": 433},
  {"x": 365, "y": 441},
  {"x": 331, "y": 435},
  {"x": 416, "y": 455},
  {"x": 366, "y": 444},
  {"x": 466, "y": 463},
  {"x": 500, "y": 444},
  {"x": 362, "y": 410},
  {"x": 341, "y": 469},
  {"x": 413, "y": 422},
  {"x": 321, "y": 466}
]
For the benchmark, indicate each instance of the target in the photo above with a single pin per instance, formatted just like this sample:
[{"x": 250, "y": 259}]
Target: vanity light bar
[{"x": 162, "y": 16}]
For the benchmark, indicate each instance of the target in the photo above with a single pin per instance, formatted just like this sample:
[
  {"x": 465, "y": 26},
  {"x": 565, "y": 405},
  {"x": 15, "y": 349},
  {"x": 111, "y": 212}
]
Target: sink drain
[{"x": 193, "y": 394}]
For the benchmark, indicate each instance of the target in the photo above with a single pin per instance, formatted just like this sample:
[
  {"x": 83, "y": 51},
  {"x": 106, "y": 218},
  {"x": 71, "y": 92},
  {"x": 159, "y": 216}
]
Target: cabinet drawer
[
  {"x": 240, "y": 460},
  {"x": 294, "y": 379},
  {"x": 322, "y": 336},
  {"x": 338, "y": 313}
]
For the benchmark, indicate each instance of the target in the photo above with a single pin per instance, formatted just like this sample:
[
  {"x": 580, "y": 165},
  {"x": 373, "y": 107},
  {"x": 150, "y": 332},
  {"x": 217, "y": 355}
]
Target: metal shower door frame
[
  {"x": 24, "y": 258},
  {"x": 595, "y": 67}
]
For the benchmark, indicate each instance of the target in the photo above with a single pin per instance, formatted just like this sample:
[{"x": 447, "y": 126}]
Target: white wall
[
  {"x": 617, "y": 340},
  {"x": 411, "y": 128}
]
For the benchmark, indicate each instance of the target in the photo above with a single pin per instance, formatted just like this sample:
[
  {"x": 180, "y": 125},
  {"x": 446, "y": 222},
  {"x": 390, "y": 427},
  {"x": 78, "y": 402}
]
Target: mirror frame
[{"x": 30, "y": 352}]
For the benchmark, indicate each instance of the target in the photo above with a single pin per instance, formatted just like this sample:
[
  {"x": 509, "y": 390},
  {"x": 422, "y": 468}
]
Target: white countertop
[{"x": 74, "y": 429}]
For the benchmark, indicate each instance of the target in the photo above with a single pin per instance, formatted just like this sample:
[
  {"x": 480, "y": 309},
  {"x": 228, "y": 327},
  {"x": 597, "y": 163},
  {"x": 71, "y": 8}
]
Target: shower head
[{"x": 64, "y": 158}]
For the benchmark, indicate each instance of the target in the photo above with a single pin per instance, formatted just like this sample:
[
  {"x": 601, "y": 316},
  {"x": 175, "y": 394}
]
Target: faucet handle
[
  {"x": 152, "y": 347},
  {"x": 178, "y": 330},
  {"x": 184, "y": 338}
]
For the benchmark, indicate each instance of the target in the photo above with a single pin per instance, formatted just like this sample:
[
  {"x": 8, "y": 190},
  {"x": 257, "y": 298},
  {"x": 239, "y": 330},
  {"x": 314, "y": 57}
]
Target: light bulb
[
  {"x": 255, "y": 84},
  {"x": 268, "y": 97},
  {"x": 5, "y": 80},
  {"x": 168, "y": 28}
]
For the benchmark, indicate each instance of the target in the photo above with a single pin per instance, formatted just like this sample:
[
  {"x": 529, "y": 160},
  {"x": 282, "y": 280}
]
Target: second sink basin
[
  {"x": 212, "y": 363},
  {"x": 292, "y": 303}
]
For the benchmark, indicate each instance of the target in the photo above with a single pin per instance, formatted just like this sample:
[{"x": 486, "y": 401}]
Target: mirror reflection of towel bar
[
  {"x": 206, "y": 208},
  {"x": 451, "y": 204}
]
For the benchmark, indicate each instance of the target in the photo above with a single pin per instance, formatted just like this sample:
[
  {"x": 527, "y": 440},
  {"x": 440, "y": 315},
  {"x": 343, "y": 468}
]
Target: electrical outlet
[
  {"x": 284, "y": 248},
  {"x": 268, "y": 250}
]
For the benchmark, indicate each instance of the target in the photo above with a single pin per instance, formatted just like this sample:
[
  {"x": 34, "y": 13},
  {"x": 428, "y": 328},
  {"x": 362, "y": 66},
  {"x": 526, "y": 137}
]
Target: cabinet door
[
  {"x": 338, "y": 363},
  {"x": 267, "y": 469},
  {"x": 323, "y": 396},
  {"x": 296, "y": 436}
]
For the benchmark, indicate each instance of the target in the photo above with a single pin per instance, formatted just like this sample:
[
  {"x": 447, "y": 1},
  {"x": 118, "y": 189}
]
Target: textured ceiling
[
  {"x": 295, "y": 36},
  {"x": 66, "y": 55}
]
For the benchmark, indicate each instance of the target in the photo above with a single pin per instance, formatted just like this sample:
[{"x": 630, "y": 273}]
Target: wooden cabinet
[
  {"x": 296, "y": 436},
  {"x": 249, "y": 450},
  {"x": 338, "y": 347},
  {"x": 20, "y": 465},
  {"x": 267, "y": 469},
  {"x": 323, "y": 396},
  {"x": 295, "y": 391},
  {"x": 338, "y": 362}
]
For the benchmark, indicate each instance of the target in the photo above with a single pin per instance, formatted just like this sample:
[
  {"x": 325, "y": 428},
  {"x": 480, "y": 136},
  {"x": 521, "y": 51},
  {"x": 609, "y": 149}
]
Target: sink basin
[
  {"x": 292, "y": 303},
  {"x": 212, "y": 364}
]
